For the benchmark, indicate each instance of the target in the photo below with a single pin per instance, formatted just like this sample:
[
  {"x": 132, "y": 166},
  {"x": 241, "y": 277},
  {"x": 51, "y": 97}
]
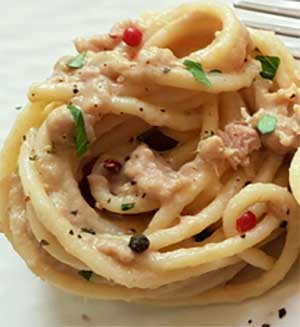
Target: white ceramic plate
[{"x": 33, "y": 34}]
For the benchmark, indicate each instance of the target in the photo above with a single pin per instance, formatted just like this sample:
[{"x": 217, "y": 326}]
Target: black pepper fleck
[
  {"x": 265, "y": 325},
  {"x": 50, "y": 150},
  {"x": 166, "y": 70},
  {"x": 79, "y": 236},
  {"x": 133, "y": 182},
  {"x": 127, "y": 158},
  {"x": 250, "y": 321},
  {"x": 44, "y": 243},
  {"x": 33, "y": 157},
  {"x": 281, "y": 313},
  {"x": 141, "y": 109},
  {"x": 243, "y": 236},
  {"x": 108, "y": 200},
  {"x": 88, "y": 231},
  {"x": 24, "y": 137},
  {"x": 85, "y": 317},
  {"x": 71, "y": 232},
  {"x": 139, "y": 243},
  {"x": 283, "y": 224},
  {"x": 74, "y": 212},
  {"x": 163, "y": 110},
  {"x": 144, "y": 195}
]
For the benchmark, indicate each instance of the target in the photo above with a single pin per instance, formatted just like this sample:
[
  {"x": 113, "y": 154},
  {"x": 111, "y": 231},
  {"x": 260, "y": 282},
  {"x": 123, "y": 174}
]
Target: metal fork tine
[
  {"x": 293, "y": 44},
  {"x": 287, "y": 28},
  {"x": 280, "y": 25},
  {"x": 278, "y": 7}
]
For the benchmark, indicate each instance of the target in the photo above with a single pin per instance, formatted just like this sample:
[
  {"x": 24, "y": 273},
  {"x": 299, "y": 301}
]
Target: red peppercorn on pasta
[{"x": 157, "y": 164}]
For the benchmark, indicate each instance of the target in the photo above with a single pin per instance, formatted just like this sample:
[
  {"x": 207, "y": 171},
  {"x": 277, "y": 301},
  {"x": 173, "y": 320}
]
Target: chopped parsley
[
  {"x": 269, "y": 66},
  {"x": 267, "y": 124},
  {"x": 78, "y": 61},
  {"x": 81, "y": 140},
  {"x": 127, "y": 206},
  {"x": 197, "y": 71},
  {"x": 86, "y": 274},
  {"x": 18, "y": 107}
]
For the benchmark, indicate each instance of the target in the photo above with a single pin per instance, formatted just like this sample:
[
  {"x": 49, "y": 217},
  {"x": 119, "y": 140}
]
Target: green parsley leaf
[
  {"x": 78, "y": 61},
  {"x": 216, "y": 71},
  {"x": 81, "y": 140},
  {"x": 86, "y": 274},
  {"x": 196, "y": 69},
  {"x": 18, "y": 107},
  {"x": 127, "y": 206},
  {"x": 269, "y": 66},
  {"x": 267, "y": 124}
]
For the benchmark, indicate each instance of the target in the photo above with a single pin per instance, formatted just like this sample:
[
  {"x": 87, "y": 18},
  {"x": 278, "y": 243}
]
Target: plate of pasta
[{"x": 157, "y": 171}]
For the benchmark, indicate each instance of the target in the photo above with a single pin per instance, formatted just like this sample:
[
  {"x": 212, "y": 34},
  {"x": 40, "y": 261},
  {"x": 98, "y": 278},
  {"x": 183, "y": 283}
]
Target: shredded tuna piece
[
  {"x": 155, "y": 177},
  {"x": 234, "y": 144},
  {"x": 240, "y": 141}
]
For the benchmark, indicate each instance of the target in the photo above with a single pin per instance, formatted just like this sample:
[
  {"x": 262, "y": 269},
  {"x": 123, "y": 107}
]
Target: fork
[{"x": 280, "y": 16}]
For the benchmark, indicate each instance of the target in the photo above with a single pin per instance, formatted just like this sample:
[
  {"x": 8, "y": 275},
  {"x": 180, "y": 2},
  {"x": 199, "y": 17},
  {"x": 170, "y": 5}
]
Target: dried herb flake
[{"x": 78, "y": 61}]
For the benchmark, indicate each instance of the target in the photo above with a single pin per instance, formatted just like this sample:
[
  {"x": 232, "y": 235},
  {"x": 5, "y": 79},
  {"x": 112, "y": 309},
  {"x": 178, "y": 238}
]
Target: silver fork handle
[{"x": 279, "y": 7}]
